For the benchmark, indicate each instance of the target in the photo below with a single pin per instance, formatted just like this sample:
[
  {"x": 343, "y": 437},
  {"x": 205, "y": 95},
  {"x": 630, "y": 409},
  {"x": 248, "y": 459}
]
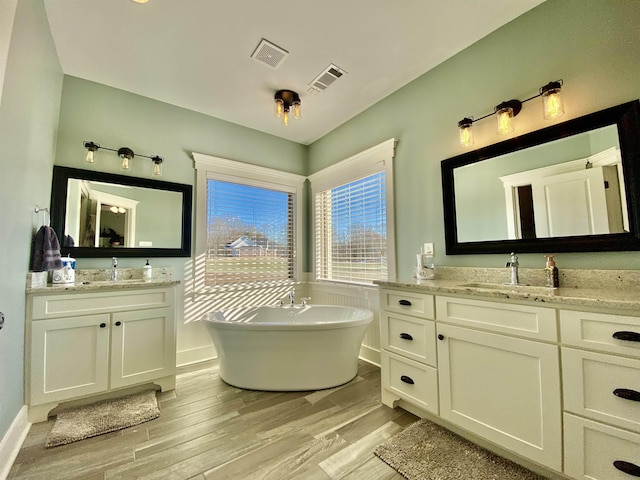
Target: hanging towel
[{"x": 45, "y": 250}]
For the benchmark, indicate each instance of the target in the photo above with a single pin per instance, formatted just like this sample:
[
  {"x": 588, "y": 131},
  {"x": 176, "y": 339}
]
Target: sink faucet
[
  {"x": 114, "y": 269},
  {"x": 514, "y": 269},
  {"x": 292, "y": 297}
]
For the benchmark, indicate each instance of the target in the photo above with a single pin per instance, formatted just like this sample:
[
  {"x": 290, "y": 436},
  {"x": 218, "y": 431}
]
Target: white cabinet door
[
  {"x": 142, "y": 345},
  {"x": 504, "y": 389},
  {"x": 69, "y": 358}
]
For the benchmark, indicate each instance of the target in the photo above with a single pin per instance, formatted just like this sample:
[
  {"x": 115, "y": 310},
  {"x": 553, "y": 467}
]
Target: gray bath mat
[
  {"x": 78, "y": 423},
  {"x": 426, "y": 451}
]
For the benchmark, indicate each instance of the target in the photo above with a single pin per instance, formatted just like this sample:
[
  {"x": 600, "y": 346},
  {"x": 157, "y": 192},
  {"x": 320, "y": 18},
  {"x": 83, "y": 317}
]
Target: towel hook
[{"x": 47, "y": 216}]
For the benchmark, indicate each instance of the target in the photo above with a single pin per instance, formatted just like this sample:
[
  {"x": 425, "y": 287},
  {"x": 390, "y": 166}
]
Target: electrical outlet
[{"x": 428, "y": 249}]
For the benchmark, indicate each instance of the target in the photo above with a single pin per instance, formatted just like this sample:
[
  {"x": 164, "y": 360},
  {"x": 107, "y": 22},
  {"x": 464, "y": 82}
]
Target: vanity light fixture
[
  {"x": 126, "y": 154},
  {"x": 285, "y": 101},
  {"x": 506, "y": 111}
]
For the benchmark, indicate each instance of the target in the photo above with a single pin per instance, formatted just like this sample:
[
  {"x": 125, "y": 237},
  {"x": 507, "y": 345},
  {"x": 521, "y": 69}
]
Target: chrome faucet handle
[
  {"x": 513, "y": 262},
  {"x": 304, "y": 301}
]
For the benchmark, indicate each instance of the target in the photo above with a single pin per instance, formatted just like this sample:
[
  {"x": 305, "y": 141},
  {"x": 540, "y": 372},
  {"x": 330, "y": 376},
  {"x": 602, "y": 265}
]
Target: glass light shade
[
  {"x": 126, "y": 163},
  {"x": 505, "y": 120},
  {"x": 157, "y": 169},
  {"x": 465, "y": 131},
  {"x": 89, "y": 158},
  {"x": 552, "y": 104},
  {"x": 296, "y": 110},
  {"x": 114, "y": 209},
  {"x": 279, "y": 108},
  {"x": 285, "y": 118}
]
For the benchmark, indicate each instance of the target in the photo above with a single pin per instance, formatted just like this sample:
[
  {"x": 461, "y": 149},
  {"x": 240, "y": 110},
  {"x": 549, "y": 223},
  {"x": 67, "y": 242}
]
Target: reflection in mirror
[
  {"x": 96, "y": 214},
  {"x": 111, "y": 215},
  {"x": 569, "y": 187}
]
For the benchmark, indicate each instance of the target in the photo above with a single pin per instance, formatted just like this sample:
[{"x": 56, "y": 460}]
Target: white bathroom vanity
[
  {"x": 97, "y": 339},
  {"x": 545, "y": 377}
]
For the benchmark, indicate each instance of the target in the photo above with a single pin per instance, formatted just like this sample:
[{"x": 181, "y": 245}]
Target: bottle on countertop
[
  {"x": 551, "y": 278},
  {"x": 147, "y": 272}
]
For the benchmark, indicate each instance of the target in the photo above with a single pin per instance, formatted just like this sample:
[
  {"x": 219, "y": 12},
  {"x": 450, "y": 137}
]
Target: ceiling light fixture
[
  {"x": 506, "y": 111},
  {"x": 285, "y": 101},
  {"x": 126, "y": 154}
]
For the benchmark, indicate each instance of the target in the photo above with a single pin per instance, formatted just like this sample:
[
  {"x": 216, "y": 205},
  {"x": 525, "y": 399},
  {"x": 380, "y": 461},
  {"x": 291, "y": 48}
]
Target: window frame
[
  {"x": 217, "y": 168},
  {"x": 368, "y": 162}
]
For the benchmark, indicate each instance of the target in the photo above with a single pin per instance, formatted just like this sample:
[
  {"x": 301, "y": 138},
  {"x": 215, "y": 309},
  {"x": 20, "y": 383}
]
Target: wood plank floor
[{"x": 210, "y": 430}]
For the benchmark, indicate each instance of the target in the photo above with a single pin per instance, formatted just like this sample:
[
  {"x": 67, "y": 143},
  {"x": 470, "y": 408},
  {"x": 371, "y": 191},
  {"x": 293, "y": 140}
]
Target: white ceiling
[{"x": 196, "y": 54}]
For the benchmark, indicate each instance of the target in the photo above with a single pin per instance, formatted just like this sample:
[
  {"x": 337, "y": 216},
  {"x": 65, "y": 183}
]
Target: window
[
  {"x": 247, "y": 232},
  {"x": 353, "y": 218}
]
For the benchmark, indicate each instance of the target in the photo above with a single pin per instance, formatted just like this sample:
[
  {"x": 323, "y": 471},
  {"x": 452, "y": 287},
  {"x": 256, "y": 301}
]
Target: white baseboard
[
  {"x": 369, "y": 354},
  {"x": 195, "y": 355},
  {"x": 12, "y": 441}
]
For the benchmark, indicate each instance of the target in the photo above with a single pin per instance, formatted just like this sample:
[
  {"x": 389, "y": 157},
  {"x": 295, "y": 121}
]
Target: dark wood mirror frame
[
  {"x": 61, "y": 175},
  {"x": 627, "y": 119}
]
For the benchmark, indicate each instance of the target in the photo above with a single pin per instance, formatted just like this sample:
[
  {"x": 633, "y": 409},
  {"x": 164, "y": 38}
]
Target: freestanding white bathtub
[{"x": 288, "y": 348}]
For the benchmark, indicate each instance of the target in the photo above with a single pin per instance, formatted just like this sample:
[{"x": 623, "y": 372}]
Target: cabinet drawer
[
  {"x": 412, "y": 381},
  {"x": 592, "y": 448},
  {"x": 49, "y": 306},
  {"x": 596, "y": 331},
  {"x": 590, "y": 380},
  {"x": 409, "y": 336},
  {"x": 522, "y": 320},
  {"x": 409, "y": 303}
]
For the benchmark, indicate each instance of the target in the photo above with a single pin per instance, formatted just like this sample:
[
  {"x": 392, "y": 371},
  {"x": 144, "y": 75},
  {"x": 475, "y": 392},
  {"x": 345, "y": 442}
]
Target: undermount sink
[{"x": 510, "y": 287}]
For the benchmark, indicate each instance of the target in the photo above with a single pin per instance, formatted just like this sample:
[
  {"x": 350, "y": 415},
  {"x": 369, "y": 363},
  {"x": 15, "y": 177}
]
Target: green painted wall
[
  {"x": 591, "y": 44},
  {"x": 28, "y": 122},
  {"x": 115, "y": 118}
]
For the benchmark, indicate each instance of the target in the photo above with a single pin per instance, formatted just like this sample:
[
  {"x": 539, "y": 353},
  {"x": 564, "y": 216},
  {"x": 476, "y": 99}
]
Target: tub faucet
[
  {"x": 304, "y": 300},
  {"x": 292, "y": 297},
  {"x": 514, "y": 269},
  {"x": 114, "y": 269}
]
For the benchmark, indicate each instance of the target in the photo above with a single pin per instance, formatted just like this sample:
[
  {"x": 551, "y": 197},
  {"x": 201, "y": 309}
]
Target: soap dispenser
[
  {"x": 551, "y": 273},
  {"x": 147, "y": 272}
]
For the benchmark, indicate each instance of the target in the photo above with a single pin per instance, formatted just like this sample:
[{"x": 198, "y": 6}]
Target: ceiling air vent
[
  {"x": 326, "y": 78},
  {"x": 267, "y": 52}
]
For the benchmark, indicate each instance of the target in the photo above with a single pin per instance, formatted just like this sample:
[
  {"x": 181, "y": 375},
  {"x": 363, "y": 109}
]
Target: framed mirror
[
  {"x": 571, "y": 187},
  {"x": 97, "y": 214}
]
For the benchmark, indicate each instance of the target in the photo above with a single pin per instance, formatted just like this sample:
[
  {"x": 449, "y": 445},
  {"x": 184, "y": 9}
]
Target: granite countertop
[
  {"x": 102, "y": 285},
  {"x": 616, "y": 292},
  {"x": 88, "y": 280}
]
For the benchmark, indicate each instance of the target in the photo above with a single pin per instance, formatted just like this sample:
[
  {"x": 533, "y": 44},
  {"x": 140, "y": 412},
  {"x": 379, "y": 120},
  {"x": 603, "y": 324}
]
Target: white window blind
[
  {"x": 350, "y": 235},
  {"x": 250, "y": 234}
]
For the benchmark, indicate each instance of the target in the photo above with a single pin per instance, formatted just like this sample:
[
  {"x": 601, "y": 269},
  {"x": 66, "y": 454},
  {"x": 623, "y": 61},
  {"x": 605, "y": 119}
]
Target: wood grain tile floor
[{"x": 210, "y": 430}]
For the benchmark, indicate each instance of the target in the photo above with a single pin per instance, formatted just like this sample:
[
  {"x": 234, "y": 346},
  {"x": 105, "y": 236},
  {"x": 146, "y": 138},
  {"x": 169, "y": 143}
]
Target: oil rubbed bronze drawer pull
[
  {"x": 627, "y": 394},
  {"x": 406, "y": 303},
  {"x": 627, "y": 467},
  {"x": 628, "y": 336},
  {"x": 103, "y": 325},
  {"x": 406, "y": 379},
  {"x": 406, "y": 336}
]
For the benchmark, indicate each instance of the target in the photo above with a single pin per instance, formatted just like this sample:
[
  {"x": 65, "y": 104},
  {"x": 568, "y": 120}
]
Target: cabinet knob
[
  {"x": 406, "y": 379},
  {"x": 627, "y": 394},
  {"x": 103, "y": 325},
  {"x": 406, "y": 303},
  {"x": 627, "y": 467},
  {"x": 406, "y": 336},
  {"x": 628, "y": 336},
  {"x": 440, "y": 336},
  {"x": 118, "y": 323}
]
